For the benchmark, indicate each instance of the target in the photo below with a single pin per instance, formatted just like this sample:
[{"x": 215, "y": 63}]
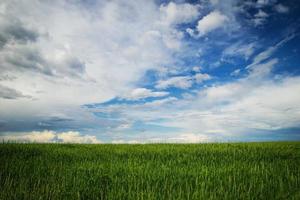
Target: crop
[{"x": 150, "y": 171}]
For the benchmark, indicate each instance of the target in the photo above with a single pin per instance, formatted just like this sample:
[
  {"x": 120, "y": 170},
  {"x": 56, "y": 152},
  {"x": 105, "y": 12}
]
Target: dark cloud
[
  {"x": 2, "y": 123},
  {"x": 3, "y": 40},
  {"x": 28, "y": 58},
  {"x": 59, "y": 119},
  {"x": 22, "y": 54},
  {"x": 10, "y": 93},
  {"x": 17, "y": 33}
]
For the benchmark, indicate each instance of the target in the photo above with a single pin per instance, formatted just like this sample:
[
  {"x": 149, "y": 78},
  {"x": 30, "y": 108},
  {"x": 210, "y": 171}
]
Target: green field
[{"x": 152, "y": 171}]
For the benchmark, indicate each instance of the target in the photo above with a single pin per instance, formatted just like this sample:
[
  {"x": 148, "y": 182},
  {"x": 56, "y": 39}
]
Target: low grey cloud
[
  {"x": 10, "y": 93},
  {"x": 12, "y": 30},
  {"x": 21, "y": 50}
]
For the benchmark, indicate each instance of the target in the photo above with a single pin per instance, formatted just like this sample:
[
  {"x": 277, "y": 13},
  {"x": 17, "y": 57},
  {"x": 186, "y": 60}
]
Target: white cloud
[
  {"x": 197, "y": 69},
  {"x": 263, "y": 69},
  {"x": 214, "y": 2},
  {"x": 199, "y": 77},
  {"x": 235, "y": 72},
  {"x": 75, "y": 137},
  {"x": 262, "y": 3},
  {"x": 260, "y": 17},
  {"x": 182, "y": 82},
  {"x": 50, "y": 137},
  {"x": 142, "y": 93},
  {"x": 281, "y": 8},
  {"x": 210, "y": 22},
  {"x": 261, "y": 14},
  {"x": 160, "y": 102},
  {"x": 240, "y": 49},
  {"x": 173, "y": 13},
  {"x": 230, "y": 110}
]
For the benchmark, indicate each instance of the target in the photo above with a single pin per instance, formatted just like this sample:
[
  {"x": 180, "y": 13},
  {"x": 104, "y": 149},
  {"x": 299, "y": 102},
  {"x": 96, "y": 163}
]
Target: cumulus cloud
[
  {"x": 208, "y": 23},
  {"x": 50, "y": 137},
  {"x": 173, "y": 13}
]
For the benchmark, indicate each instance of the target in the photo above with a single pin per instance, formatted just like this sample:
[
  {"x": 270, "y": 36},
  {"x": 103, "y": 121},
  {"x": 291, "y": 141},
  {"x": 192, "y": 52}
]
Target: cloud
[
  {"x": 142, "y": 93},
  {"x": 281, "y": 8},
  {"x": 240, "y": 49},
  {"x": 9, "y": 93},
  {"x": 54, "y": 58},
  {"x": 259, "y": 18},
  {"x": 199, "y": 77},
  {"x": 161, "y": 102},
  {"x": 266, "y": 54},
  {"x": 182, "y": 82},
  {"x": 234, "y": 109},
  {"x": 263, "y": 3},
  {"x": 173, "y": 13},
  {"x": 210, "y": 22},
  {"x": 50, "y": 137},
  {"x": 15, "y": 31},
  {"x": 235, "y": 72},
  {"x": 263, "y": 69},
  {"x": 75, "y": 137},
  {"x": 197, "y": 68}
]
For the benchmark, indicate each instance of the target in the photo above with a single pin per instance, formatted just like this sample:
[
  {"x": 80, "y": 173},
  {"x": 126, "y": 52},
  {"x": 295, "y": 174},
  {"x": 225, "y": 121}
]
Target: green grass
[{"x": 153, "y": 171}]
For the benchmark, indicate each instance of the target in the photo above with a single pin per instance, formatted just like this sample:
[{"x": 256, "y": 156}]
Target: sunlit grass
[{"x": 153, "y": 171}]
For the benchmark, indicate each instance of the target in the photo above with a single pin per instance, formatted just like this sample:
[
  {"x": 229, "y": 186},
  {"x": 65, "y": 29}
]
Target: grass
[{"x": 153, "y": 171}]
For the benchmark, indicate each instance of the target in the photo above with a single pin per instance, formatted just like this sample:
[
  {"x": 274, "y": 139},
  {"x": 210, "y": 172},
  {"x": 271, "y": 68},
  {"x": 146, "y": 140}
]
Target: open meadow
[{"x": 151, "y": 171}]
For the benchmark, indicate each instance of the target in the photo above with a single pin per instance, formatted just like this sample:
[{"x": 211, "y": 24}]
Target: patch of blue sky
[{"x": 289, "y": 60}]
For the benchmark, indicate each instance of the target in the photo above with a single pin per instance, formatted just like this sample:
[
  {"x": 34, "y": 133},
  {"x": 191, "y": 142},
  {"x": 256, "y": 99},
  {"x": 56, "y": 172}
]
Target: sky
[{"x": 149, "y": 71}]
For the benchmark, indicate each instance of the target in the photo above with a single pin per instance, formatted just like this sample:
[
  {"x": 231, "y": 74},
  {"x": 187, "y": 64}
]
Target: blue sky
[{"x": 149, "y": 71}]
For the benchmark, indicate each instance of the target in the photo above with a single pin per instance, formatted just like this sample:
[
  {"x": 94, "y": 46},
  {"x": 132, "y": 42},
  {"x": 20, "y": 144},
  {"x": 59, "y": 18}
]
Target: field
[{"x": 152, "y": 171}]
